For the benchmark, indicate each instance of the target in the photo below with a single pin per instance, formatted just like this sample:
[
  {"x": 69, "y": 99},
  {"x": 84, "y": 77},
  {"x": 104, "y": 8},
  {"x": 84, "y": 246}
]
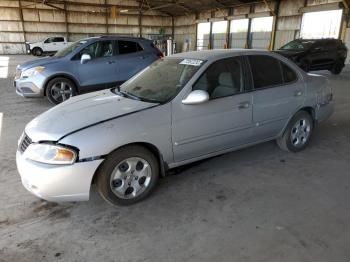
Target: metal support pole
[
  {"x": 140, "y": 20},
  {"x": 172, "y": 27},
  {"x": 106, "y": 17},
  {"x": 275, "y": 24},
  {"x": 22, "y": 20},
  {"x": 66, "y": 20},
  {"x": 249, "y": 34},
  {"x": 211, "y": 44}
]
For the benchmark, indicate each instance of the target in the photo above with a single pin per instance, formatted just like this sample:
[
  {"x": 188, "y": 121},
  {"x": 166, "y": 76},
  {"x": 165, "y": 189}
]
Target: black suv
[{"x": 316, "y": 54}]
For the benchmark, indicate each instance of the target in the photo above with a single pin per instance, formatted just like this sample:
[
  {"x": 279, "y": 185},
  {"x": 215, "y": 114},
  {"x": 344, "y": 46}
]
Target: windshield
[
  {"x": 162, "y": 80},
  {"x": 69, "y": 49},
  {"x": 298, "y": 45}
]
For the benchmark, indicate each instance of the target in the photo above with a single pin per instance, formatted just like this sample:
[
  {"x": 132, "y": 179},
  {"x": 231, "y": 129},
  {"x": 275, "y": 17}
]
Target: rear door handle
[
  {"x": 298, "y": 93},
  {"x": 243, "y": 105}
]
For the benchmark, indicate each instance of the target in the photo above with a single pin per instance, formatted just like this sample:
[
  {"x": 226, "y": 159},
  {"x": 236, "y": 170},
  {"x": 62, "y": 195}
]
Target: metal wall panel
[
  {"x": 41, "y": 21},
  {"x": 283, "y": 37}
]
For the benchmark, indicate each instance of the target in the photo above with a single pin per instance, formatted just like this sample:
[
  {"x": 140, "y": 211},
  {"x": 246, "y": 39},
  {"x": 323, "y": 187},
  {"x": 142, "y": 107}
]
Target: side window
[
  {"x": 98, "y": 49},
  {"x": 222, "y": 78},
  {"x": 58, "y": 39},
  {"x": 289, "y": 74},
  {"x": 266, "y": 71},
  {"x": 49, "y": 40},
  {"x": 126, "y": 47}
]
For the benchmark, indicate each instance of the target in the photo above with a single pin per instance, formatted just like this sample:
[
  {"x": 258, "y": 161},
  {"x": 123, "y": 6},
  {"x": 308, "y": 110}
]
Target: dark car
[
  {"x": 316, "y": 54},
  {"x": 86, "y": 65}
]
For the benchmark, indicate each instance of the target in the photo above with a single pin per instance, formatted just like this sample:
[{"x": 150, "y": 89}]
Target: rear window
[
  {"x": 58, "y": 39},
  {"x": 289, "y": 75},
  {"x": 266, "y": 71},
  {"x": 127, "y": 47}
]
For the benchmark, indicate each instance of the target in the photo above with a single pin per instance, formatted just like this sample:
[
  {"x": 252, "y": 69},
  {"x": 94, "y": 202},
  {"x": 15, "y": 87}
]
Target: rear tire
[
  {"x": 297, "y": 135},
  {"x": 128, "y": 175},
  {"x": 59, "y": 90},
  {"x": 37, "y": 51},
  {"x": 337, "y": 67}
]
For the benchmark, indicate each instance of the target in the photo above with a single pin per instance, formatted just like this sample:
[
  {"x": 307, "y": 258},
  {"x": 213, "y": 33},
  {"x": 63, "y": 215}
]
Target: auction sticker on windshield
[{"x": 193, "y": 62}]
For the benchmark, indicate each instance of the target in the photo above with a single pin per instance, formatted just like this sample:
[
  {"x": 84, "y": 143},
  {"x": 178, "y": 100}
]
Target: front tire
[
  {"x": 59, "y": 90},
  {"x": 297, "y": 135},
  {"x": 37, "y": 51},
  {"x": 128, "y": 175}
]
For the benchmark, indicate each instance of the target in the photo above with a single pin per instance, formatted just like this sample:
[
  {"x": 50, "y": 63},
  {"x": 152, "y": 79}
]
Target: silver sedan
[{"x": 180, "y": 109}]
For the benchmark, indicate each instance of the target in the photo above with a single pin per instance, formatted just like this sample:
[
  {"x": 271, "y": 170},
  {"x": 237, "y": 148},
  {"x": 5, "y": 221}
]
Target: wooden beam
[
  {"x": 54, "y": 6},
  {"x": 228, "y": 34}
]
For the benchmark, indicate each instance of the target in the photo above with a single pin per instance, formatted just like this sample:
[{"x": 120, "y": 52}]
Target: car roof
[
  {"x": 113, "y": 37},
  {"x": 318, "y": 39},
  {"x": 219, "y": 53}
]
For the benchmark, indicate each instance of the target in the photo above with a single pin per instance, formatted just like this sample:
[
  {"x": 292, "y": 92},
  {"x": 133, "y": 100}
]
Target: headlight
[
  {"x": 50, "y": 154},
  {"x": 32, "y": 71}
]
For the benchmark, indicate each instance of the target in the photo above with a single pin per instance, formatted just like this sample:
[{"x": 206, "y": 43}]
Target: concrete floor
[{"x": 257, "y": 204}]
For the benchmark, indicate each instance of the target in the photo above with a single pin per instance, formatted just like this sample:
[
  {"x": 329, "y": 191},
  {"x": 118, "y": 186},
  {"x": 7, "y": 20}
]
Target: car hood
[
  {"x": 80, "y": 112},
  {"x": 289, "y": 53},
  {"x": 39, "y": 62}
]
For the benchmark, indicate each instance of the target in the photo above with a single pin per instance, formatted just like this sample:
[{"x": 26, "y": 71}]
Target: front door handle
[
  {"x": 298, "y": 93},
  {"x": 243, "y": 105},
  {"x": 110, "y": 62}
]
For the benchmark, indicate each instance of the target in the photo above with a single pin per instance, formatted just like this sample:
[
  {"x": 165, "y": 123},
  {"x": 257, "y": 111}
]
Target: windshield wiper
[
  {"x": 116, "y": 90},
  {"x": 128, "y": 95}
]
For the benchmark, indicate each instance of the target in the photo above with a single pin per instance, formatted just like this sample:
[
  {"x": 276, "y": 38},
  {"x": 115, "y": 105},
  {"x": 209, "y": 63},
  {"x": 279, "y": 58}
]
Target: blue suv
[{"x": 87, "y": 65}]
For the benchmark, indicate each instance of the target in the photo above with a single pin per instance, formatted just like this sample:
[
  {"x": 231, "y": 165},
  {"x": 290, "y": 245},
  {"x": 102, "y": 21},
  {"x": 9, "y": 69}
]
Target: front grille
[{"x": 26, "y": 141}]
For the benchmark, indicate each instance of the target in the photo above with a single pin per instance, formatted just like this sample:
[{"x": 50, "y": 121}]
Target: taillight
[{"x": 160, "y": 54}]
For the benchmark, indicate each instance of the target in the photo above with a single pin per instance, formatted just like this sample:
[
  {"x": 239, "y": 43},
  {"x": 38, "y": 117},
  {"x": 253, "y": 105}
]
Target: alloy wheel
[
  {"x": 300, "y": 132},
  {"x": 61, "y": 91},
  {"x": 131, "y": 177}
]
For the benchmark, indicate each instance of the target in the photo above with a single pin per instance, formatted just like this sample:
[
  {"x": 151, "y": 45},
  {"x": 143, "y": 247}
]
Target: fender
[
  {"x": 62, "y": 74},
  {"x": 299, "y": 109}
]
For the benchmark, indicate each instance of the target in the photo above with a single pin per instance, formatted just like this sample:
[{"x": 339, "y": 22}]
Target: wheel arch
[
  {"x": 309, "y": 109},
  {"x": 162, "y": 164},
  {"x": 70, "y": 77}
]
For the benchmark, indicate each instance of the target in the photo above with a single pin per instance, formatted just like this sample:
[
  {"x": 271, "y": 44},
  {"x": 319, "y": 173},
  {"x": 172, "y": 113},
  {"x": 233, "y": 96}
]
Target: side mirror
[
  {"x": 85, "y": 58},
  {"x": 196, "y": 97}
]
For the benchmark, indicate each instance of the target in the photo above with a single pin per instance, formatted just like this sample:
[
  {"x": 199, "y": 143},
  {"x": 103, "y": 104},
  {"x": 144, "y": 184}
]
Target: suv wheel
[
  {"x": 128, "y": 175},
  {"x": 337, "y": 67},
  {"x": 37, "y": 51},
  {"x": 297, "y": 135},
  {"x": 60, "y": 89}
]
